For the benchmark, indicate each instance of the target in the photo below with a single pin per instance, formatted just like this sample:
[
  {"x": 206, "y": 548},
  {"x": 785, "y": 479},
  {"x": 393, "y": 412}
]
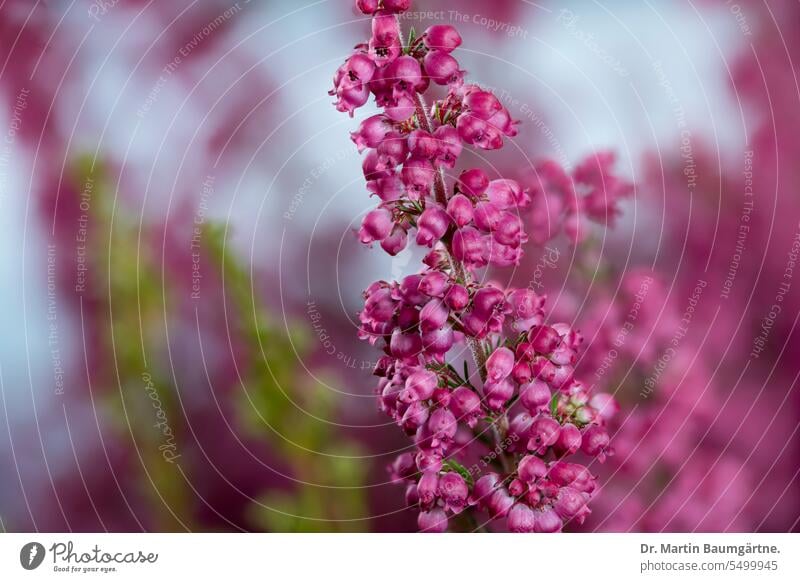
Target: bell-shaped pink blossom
[
  {"x": 543, "y": 434},
  {"x": 499, "y": 364},
  {"x": 442, "y": 37},
  {"x": 453, "y": 491},
  {"x": 377, "y": 225},
  {"x": 433, "y": 521},
  {"x": 432, "y": 224},
  {"x": 534, "y": 396}
]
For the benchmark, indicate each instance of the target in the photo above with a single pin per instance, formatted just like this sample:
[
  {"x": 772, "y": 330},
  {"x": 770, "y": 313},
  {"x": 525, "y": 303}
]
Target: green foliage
[{"x": 278, "y": 402}]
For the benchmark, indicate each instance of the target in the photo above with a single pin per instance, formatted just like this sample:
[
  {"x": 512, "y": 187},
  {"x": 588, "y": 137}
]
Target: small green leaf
[
  {"x": 459, "y": 468},
  {"x": 554, "y": 404}
]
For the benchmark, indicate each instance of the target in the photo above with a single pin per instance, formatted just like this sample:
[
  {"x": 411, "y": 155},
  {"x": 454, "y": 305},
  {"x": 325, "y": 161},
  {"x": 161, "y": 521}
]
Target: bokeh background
[{"x": 179, "y": 277}]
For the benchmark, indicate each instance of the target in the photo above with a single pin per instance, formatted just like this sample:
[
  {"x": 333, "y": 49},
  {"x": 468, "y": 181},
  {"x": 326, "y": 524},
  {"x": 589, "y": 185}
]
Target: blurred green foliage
[{"x": 133, "y": 306}]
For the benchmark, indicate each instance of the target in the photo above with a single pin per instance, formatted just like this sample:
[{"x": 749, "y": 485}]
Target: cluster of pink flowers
[
  {"x": 567, "y": 201},
  {"x": 524, "y": 405}
]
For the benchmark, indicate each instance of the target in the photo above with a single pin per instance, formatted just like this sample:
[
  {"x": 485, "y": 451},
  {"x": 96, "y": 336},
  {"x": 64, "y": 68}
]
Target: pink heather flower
[
  {"x": 405, "y": 345},
  {"x": 466, "y": 405},
  {"x": 518, "y": 429},
  {"x": 571, "y": 504},
  {"x": 412, "y": 498},
  {"x": 546, "y": 521},
  {"x": 428, "y": 489},
  {"x": 544, "y": 339},
  {"x": 482, "y": 103},
  {"x": 403, "y": 467},
  {"x": 499, "y": 364},
  {"x": 569, "y": 440},
  {"x": 531, "y": 468},
  {"x": 488, "y": 301},
  {"x": 368, "y": 6},
  {"x": 500, "y": 503},
  {"x": 473, "y": 182},
  {"x": 350, "y": 84},
  {"x": 432, "y": 225},
  {"x": 449, "y": 146},
  {"x": 543, "y": 434},
  {"x": 433, "y": 316},
  {"x": 595, "y": 442},
  {"x": 414, "y": 417},
  {"x": 388, "y": 188},
  {"x": 434, "y": 284},
  {"x": 508, "y": 230},
  {"x": 438, "y": 341},
  {"x": 526, "y": 309},
  {"x": 419, "y": 386},
  {"x": 433, "y": 521},
  {"x": 396, "y": 241},
  {"x": 605, "y": 189},
  {"x": 384, "y": 46},
  {"x": 501, "y": 255},
  {"x": 483, "y": 489},
  {"x": 572, "y": 474},
  {"x": 417, "y": 175},
  {"x": 468, "y": 225},
  {"x": 453, "y": 491},
  {"x": 392, "y": 150},
  {"x": 506, "y": 194},
  {"x": 487, "y": 216},
  {"x": 377, "y": 225},
  {"x": 498, "y": 393},
  {"x": 423, "y": 144},
  {"x": 534, "y": 396},
  {"x": 371, "y": 132},
  {"x": 521, "y": 519},
  {"x": 443, "y": 37},
  {"x": 408, "y": 291},
  {"x": 460, "y": 210},
  {"x": 442, "y": 425},
  {"x": 372, "y": 167},
  {"x": 456, "y": 297},
  {"x": 442, "y": 68},
  {"x": 468, "y": 247},
  {"x": 605, "y": 405},
  {"x": 429, "y": 461}
]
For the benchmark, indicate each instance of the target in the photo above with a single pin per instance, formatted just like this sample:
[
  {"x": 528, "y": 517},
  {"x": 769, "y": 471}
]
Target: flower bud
[
  {"x": 396, "y": 241},
  {"x": 377, "y": 225},
  {"x": 403, "y": 467},
  {"x": 569, "y": 440},
  {"x": 453, "y": 491},
  {"x": 442, "y": 37},
  {"x": 441, "y": 67},
  {"x": 428, "y": 489},
  {"x": 433, "y": 283},
  {"x": 473, "y": 182},
  {"x": 499, "y": 364},
  {"x": 534, "y": 396},
  {"x": 457, "y": 297},
  {"x": 521, "y": 519},
  {"x": 546, "y": 521},
  {"x": 498, "y": 393},
  {"x": 433, "y": 521},
  {"x": 595, "y": 442},
  {"x": 460, "y": 210},
  {"x": 432, "y": 225},
  {"x": 466, "y": 405},
  {"x": 543, "y": 434},
  {"x": 433, "y": 316},
  {"x": 531, "y": 468}
]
